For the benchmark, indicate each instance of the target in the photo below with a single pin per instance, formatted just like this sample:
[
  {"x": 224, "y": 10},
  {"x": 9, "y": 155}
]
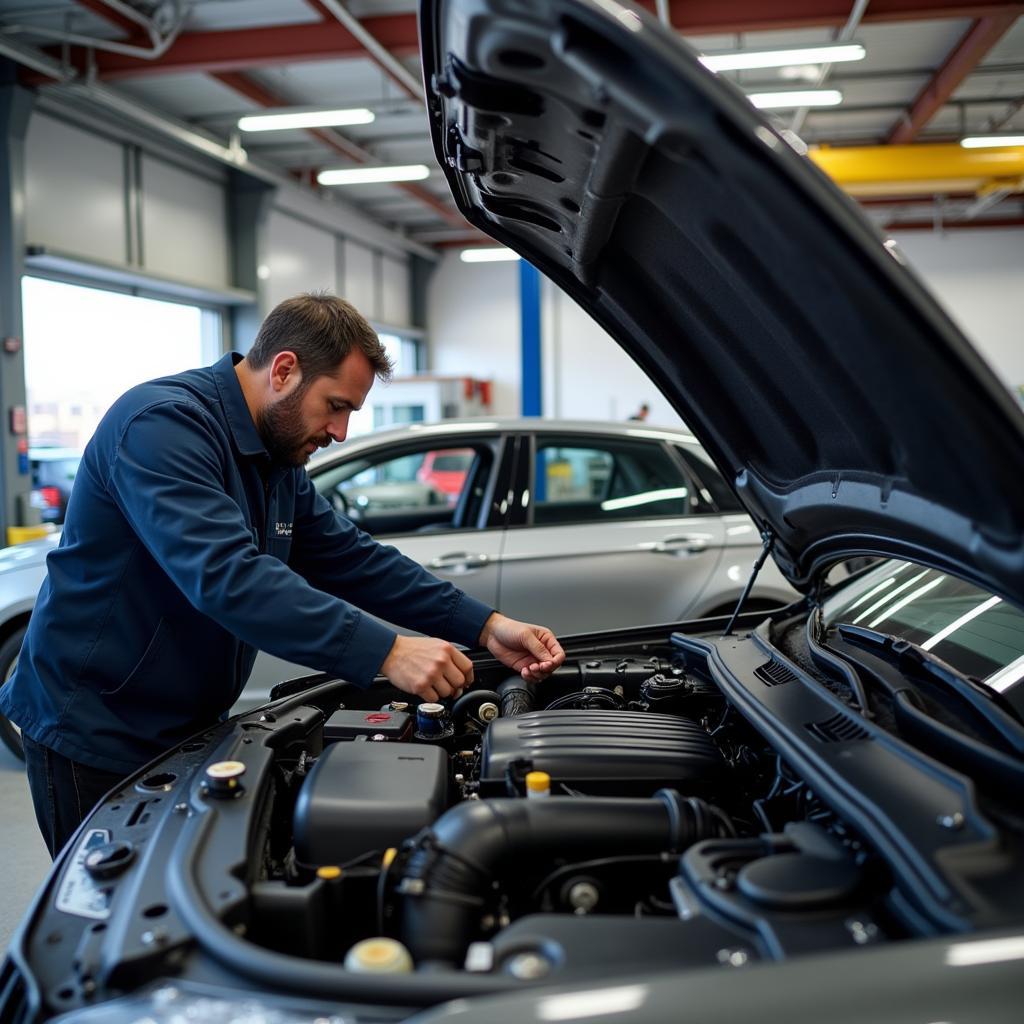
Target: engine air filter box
[
  {"x": 615, "y": 753},
  {"x": 361, "y": 797}
]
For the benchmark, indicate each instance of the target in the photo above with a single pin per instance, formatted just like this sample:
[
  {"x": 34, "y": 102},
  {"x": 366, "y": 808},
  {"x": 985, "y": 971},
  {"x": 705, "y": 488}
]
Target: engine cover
[{"x": 628, "y": 753}]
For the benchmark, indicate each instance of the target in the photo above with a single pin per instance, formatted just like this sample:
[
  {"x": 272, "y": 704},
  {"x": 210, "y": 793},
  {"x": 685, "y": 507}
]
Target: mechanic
[{"x": 194, "y": 537}]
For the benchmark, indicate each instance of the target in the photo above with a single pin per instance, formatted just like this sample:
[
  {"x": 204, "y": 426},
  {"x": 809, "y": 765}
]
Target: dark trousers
[{"x": 63, "y": 791}]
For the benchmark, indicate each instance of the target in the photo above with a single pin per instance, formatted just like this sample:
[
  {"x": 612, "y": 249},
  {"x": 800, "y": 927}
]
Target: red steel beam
[
  {"x": 957, "y": 225},
  {"x": 336, "y": 141},
  {"x": 968, "y": 53},
  {"x": 289, "y": 44},
  {"x": 108, "y": 14}
]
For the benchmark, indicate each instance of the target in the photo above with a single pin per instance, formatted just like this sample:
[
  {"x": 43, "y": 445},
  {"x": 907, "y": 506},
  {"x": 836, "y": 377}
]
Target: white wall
[
  {"x": 473, "y": 323},
  {"x": 978, "y": 275},
  {"x": 473, "y": 326}
]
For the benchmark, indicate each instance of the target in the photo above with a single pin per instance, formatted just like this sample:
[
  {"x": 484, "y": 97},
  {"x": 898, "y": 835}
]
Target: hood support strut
[{"x": 767, "y": 543}]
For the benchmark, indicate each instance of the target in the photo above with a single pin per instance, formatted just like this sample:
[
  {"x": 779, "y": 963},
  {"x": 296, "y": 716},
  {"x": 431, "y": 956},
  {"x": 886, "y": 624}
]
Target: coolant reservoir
[
  {"x": 379, "y": 955},
  {"x": 538, "y": 784}
]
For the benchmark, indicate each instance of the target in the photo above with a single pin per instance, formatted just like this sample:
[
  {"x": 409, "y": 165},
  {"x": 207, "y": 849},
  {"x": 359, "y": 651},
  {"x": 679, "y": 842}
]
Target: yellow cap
[
  {"x": 538, "y": 782},
  {"x": 328, "y": 871},
  {"x": 378, "y": 956},
  {"x": 389, "y": 855}
]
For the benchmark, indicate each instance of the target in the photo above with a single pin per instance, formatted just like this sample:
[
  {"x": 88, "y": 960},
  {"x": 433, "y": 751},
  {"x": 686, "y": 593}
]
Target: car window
[
  {"x": 603, "y": 481},
  {"x": 713, "y": 491},
  {"x": 977, "y": 633},
  {"x": 407, "y": 491}
]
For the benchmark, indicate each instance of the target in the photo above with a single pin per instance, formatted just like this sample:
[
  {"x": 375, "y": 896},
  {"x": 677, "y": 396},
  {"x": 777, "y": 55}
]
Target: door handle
[
  {"x": 692, "y": 544},
  {"x": 458, "y": 561}
]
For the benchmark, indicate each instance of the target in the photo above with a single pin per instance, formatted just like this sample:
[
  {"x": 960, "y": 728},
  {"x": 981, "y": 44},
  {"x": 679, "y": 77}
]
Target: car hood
[{"x": 849, "y": 413}]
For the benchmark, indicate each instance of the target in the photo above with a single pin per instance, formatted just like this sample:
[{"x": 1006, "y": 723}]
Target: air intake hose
[
  {"x": 516, "y": 696},
  {"x": 450, "y": 875}
]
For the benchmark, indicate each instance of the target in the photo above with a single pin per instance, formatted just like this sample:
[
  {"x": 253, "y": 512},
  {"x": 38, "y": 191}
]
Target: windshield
[{"x": 978, "y": 634}]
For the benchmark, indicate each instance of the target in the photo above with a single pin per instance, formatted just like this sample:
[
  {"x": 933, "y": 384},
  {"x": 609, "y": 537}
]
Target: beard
[{"x": 283, "y": 432}]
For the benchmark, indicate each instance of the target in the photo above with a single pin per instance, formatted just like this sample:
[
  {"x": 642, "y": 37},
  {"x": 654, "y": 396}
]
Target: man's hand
[
  {"x": 428, "y": 668},
  {"x": 531, "y": 650}
]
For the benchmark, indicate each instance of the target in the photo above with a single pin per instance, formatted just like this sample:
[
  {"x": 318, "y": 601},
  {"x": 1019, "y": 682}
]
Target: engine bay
[{"x": 639, "y": 810}]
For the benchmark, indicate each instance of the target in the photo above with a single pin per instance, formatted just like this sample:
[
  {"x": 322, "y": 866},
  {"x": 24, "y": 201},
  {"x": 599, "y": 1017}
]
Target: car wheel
[{"x": 10, "y": 734}]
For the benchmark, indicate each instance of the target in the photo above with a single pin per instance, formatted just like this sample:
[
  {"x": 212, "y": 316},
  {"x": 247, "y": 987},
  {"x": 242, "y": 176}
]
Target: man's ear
[{"x": 285, "y": 373}]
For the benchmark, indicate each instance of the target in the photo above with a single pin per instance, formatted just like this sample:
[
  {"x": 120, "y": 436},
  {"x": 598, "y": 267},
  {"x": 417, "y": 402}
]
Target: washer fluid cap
[
  {"x": 378, "y": 956},
  {"x": 797, "y": 881}
]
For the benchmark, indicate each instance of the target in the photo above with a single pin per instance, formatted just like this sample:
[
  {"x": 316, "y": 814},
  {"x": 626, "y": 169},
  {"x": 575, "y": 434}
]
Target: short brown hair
[{"x": 321, "y": 330}]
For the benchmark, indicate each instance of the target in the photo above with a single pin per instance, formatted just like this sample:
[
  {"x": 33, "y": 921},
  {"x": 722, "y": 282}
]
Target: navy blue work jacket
[{"x": 184, "y": 550}]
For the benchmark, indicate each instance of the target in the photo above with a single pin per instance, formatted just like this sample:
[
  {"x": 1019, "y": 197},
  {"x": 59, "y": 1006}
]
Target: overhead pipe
[{"x": 387, "y": 60}]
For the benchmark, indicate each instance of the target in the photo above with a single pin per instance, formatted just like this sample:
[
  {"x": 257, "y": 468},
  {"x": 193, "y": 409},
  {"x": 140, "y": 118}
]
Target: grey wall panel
[
  {"x": 298, "y": 258},
  {"x": 395, "y": 292},
  {"x": 74, "y": 191},
  {"x": 361, "y": 279},
  {"x": 184, "y": 225}
]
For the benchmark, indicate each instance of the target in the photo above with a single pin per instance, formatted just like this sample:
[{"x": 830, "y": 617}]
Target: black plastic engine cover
[
  {"x": 363, "y": 796},
  {"x": 628, "y": 753}
]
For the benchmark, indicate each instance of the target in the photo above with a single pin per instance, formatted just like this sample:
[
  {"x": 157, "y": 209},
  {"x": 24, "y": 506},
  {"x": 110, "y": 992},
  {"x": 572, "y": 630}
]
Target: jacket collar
[{"x": 243, "y": 429}]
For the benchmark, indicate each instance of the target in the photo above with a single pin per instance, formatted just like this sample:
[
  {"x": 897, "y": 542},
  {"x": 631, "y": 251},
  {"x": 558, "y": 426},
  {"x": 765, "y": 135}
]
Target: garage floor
[{"x": 25, "y": 859}]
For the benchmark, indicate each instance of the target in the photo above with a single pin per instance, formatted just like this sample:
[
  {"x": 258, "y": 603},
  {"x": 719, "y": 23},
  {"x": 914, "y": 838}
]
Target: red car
[{"x": 446, "y": 471}]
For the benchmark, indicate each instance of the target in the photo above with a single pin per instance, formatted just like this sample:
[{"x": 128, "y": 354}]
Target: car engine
[{"x": 618, "y": 813}]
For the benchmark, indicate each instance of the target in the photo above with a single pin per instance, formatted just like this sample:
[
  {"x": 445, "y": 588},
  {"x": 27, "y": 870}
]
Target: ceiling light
[
  {"x": 304, "y": 119},
  {"x": 488, "y": 255},
  {"x": 797, "y": 98},
  {"x": 835, "y": 54},
  {"x": 372, "y": 175},
  {"x": 984, "y": 141}
]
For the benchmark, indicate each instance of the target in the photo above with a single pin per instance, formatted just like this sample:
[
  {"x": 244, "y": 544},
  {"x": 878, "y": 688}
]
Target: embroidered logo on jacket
[{"x": 282, "y": 529}]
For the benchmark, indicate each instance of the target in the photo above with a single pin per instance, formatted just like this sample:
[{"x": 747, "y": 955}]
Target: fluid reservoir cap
[
  {"x": 110, "y": 859},
  {"x": 223, "y": 778},
  {"x": 431, "y": 710},
  {"x": 798, "y": 880},
  {"x": 328, "y": 872},
  {"x": 378, "y": 956},
  {"x": 538, "y": 784}
]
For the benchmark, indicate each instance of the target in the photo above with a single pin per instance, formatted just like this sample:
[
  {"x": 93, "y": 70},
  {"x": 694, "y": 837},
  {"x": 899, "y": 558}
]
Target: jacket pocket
[{"x": 150, "y": 656}]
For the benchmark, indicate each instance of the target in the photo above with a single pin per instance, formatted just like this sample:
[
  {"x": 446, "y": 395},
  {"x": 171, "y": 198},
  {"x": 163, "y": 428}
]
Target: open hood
[{"x": 849, "y": 413}]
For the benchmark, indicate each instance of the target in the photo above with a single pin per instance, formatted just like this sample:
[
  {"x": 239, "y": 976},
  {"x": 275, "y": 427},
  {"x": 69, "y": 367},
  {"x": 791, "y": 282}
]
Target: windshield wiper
[{"x": 914, "y": 662}]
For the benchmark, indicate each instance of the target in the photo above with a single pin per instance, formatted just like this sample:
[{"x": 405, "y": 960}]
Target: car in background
[
  {"x": 53, "y": 473},
  {"x": 446, "y": 471},
  {"x": 579, "y": 525}
]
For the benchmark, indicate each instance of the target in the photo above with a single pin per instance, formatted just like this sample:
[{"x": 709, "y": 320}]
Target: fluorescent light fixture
[
  {"x": 837, "y": 54},
  {"x": 373, "y": 175},
  {"x": 304, "y": 119},
  {"x": 987, "y": 141},
  {"x": 488, "y": 255},
  {"x": 796, "y": 98}
]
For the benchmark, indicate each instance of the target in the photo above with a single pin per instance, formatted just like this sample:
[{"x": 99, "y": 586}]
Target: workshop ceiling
[{"x": 934, "y": 71}]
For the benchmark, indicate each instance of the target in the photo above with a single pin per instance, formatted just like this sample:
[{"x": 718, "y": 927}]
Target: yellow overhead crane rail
[{"x": 921, "y": 170}]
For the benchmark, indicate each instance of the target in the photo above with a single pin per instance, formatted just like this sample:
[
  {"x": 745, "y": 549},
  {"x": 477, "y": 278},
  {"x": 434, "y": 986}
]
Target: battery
[{"x": 347, "y": 725}]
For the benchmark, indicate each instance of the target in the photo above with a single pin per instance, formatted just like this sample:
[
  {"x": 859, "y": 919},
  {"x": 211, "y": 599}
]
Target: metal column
[
  {"x": 249, "y": 201},
  {"x": 15, "y": 109},
  {"x": 529, "y": 314}
]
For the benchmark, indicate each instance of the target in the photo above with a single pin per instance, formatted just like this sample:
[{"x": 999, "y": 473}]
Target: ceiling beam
[
  {"x": 967, "y": 54},
  {"x": 333, "y": 139},
  {"x": 132, "y": 29},
  {"x": 271, "y": 45}
]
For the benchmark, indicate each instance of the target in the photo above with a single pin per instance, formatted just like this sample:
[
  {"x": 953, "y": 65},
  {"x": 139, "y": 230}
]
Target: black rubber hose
[
  {"x": 451, "y": 874},
  {"x": 516, "y": 696},
  {"x": 469, "y": 704}
]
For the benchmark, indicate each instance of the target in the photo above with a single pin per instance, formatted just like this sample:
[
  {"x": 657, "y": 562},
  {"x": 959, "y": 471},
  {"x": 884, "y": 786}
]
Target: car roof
[{"x": 454, "y": 430}]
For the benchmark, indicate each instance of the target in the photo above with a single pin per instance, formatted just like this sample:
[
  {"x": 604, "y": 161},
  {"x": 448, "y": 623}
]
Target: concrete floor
[{"x": 26, "y": 861}]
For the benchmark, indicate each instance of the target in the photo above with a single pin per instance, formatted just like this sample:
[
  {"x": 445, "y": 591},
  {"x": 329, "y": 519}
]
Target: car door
[
  {"x": 432, "y": 498},
  {"x": 610, "y": 535}
]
